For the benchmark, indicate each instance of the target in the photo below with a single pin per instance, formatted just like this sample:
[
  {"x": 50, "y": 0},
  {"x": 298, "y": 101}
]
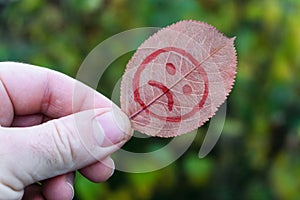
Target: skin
[{"x": 41, "y": 142}]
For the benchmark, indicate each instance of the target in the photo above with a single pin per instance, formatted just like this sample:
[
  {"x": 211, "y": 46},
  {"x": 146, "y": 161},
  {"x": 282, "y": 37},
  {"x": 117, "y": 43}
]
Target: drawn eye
[
  {"x": 170, "y": 68},
  {"x": 187, "y": 89}
]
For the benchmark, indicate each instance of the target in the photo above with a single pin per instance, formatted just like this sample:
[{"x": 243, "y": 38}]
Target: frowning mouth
[{"x": 165, "y": 90}]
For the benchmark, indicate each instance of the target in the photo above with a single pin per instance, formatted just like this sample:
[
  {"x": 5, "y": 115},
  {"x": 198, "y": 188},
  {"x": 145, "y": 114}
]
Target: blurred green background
[{"x": 257, "y": 156}]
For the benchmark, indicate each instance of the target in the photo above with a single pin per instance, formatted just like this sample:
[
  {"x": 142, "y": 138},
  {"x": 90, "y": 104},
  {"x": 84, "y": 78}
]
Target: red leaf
[{"x": 178, "y": 78}]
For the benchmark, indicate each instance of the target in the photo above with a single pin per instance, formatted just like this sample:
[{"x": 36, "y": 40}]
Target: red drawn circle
[{"x": 171, "y": 69}]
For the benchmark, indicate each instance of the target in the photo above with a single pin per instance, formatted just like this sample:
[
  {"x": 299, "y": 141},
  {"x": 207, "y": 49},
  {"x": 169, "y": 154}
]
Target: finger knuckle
[
  {"x": 9, "y": 192},
  {"x": 65, "y": 142}
]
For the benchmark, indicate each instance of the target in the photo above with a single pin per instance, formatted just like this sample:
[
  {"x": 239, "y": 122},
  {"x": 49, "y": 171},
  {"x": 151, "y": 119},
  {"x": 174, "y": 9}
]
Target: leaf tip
[{"x": 233, "y": 38}]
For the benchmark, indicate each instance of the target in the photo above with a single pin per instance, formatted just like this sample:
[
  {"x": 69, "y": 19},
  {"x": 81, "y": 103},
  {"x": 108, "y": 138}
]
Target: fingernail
[
  {"x": 112, "y": 168},
  {"x": 72, "y": 189},
  {"x": 109, "y": 162},
  {"x": 116, "y": 127},
  {"x": 70, "y": 180}
]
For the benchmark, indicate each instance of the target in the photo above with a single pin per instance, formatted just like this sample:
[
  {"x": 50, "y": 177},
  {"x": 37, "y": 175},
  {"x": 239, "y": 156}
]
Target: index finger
[{"x": 31, "y": 90}]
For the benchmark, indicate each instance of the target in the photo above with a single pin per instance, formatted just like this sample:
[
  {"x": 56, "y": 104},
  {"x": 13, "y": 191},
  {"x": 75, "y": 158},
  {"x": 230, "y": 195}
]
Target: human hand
[{"x": 53, "y": 125}]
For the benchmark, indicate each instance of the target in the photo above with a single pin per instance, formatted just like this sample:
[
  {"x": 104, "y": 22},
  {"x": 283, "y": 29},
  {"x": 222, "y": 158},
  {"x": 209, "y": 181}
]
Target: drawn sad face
[{"x": 170, "y": 85}]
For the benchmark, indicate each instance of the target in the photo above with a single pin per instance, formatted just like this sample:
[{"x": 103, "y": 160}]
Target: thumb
[{"x": 59, "y": 146}]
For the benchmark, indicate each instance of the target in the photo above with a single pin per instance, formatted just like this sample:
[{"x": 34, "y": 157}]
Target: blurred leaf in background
[{"x": 257, "y": 156}]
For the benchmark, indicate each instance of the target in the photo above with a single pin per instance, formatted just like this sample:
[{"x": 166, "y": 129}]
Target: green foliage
[
  {"x": 257, "y": 156},
  {"x": 198, "y": 172}
]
